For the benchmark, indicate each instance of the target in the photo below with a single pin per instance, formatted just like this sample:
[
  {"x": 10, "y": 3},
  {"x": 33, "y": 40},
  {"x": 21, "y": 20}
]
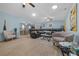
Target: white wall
[{"x": 68, "y": 21}]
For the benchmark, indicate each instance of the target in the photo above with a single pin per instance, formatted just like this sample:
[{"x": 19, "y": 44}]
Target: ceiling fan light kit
[
  {"x": 23, "y": 6},
  {"x": 32, "y": 4}
]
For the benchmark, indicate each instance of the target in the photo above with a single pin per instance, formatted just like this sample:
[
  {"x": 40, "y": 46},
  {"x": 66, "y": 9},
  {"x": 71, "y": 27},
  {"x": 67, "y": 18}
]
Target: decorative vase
[{"x": 4, "y": 28}]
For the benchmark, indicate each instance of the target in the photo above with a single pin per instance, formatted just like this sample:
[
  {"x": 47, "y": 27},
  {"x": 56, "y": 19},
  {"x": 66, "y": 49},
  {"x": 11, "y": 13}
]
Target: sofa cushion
[{"x": 59, "y": 39}]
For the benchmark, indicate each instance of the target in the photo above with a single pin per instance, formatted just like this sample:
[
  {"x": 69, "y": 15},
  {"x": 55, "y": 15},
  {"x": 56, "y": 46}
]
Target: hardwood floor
[{"x": 26, "y": 46}]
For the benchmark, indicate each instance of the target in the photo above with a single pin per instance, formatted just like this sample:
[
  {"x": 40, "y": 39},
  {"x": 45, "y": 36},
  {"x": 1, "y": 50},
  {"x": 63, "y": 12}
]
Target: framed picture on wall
[
  {"x": 43, "y": 25},
  {"x": 73, "y": 18},
  {"x": 50, "y": 25}
]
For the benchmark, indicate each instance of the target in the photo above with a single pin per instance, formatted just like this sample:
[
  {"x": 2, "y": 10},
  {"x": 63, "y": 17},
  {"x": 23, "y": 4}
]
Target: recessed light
[
  {"x": 33, "y": 14},
  {"x": 54, "y": 7}
]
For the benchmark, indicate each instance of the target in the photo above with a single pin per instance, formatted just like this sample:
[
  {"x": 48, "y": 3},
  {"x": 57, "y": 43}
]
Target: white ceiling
[{"x": 41, "y": 9}]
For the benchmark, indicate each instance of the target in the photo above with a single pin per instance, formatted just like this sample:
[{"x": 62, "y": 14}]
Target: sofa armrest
[{"x": 69, "y": 38}]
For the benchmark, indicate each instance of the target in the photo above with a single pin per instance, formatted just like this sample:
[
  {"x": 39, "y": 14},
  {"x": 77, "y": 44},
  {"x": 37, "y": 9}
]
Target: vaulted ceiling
[{"x": 42, "y": 10}]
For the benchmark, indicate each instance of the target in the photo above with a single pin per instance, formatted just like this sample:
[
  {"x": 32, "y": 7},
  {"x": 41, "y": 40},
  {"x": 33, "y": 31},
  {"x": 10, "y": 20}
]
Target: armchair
[{"x": 8, "y": 35}]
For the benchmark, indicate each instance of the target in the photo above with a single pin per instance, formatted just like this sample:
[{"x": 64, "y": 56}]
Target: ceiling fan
[{"x": 31, "y": 4}]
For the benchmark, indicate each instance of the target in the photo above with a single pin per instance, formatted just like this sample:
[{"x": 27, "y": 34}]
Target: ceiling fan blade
[
  {"x": 32, "y": 4},
  {"x": 29, "y": 4}
]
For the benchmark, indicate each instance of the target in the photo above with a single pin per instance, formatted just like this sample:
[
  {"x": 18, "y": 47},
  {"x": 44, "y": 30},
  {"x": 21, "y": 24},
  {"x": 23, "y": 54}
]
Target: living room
[{"x": 28, "y": 28}]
